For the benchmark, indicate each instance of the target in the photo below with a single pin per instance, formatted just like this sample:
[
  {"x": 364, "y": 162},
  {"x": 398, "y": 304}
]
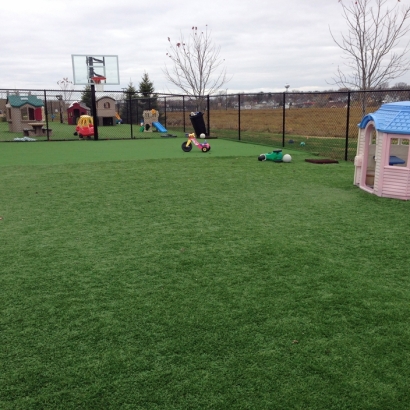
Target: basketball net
[{"x": 99, "y": 83}]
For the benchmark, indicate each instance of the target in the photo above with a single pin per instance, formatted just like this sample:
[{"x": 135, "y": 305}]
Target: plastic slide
[
  {"x": 159, "y": 127},
  {"x": 118, "y": 116}
]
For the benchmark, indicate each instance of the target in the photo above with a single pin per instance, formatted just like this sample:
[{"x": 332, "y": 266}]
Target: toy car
[{"x": 85, "y": 127}]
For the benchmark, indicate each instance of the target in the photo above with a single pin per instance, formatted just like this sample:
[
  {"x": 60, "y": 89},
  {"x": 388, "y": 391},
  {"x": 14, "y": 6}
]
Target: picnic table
[{"x": 38, "y": 128}]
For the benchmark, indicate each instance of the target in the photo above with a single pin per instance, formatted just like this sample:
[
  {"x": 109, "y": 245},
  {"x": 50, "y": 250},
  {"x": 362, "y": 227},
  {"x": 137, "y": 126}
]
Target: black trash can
[{"x": 197, "y": 121}]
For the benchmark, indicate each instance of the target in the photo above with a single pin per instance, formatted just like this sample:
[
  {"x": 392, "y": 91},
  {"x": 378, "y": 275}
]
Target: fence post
[
  {"x": 283, "y": 120},
  {"x": 130, "y": 112},
  {"x": 165, "y": 112},
  {"x": 46, "y": 114},
  {"x": 94, "y": 110},
  {"x": 183, "y": 110},
  {"x": 239, "y": 117},
  {"x": 347, "y": 125},
  {"x": 208, "y": 114}
]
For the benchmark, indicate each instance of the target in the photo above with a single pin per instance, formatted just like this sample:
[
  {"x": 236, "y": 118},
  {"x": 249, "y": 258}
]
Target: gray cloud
[{"x": 265, "y": 43}]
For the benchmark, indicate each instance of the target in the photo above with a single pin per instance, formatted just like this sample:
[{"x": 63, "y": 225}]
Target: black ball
[{"x": 262, "y": 157}]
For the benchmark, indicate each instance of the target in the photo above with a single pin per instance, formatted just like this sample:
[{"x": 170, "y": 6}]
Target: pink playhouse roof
[{"x": 392, "y": 118}]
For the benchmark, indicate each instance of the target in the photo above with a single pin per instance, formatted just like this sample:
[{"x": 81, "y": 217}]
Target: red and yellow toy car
[{"x": 85, "y": 127}]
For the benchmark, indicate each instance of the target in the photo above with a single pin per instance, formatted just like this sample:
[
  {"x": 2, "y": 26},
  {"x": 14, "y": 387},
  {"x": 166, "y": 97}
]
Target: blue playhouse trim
[{"x": 391, "y": 118}]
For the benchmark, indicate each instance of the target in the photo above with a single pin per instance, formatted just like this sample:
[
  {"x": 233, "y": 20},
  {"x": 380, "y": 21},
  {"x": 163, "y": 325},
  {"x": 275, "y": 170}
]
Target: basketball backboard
[{"x": 86, "y": 66}]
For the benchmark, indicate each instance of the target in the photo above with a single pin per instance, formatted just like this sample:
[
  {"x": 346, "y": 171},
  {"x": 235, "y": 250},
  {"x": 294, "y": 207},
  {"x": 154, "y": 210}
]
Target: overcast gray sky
[{"x": 265, "y": 43}]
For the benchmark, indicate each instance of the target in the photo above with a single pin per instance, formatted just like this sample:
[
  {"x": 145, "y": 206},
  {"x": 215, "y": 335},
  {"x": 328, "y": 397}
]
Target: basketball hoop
[{"x": 98, "y": 82}]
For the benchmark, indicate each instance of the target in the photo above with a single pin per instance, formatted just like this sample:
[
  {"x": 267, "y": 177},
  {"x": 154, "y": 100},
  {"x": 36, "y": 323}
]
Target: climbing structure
[{"x": 150, "y": 116}]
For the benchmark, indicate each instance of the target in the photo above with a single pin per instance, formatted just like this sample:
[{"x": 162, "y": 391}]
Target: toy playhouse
[
  {"x": 23, "y": 110},
  {"x": 106, "y": 114},
  {"x": 382, "y": 165},
  {"x": 75, "y": 111}
]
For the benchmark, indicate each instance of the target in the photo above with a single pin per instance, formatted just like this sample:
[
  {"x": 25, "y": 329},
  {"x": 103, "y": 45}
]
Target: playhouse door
[{"x": 369, "y": 163}]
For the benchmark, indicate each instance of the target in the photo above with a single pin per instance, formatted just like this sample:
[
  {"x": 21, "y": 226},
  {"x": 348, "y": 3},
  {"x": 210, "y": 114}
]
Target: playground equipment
[
  {"x": 16, "y": 105},
  {"x": 159, "y": 127},
  {"x": 187, "y": 145},
  {"x": 119, "y": 119},
  {"x": 275, "y": 156},
  {"x": 85, "y": 127},
  {"x": 383, "y": 156},
  {"x": 98, "y": 81},
  {"x": 96, "y": 71},
  {"x": 151, "y": 120}
]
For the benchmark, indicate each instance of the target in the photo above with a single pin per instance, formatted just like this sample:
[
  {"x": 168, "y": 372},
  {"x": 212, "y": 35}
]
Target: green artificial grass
[
  {"x": 45, "y": 153},
  {"x": 65, "y": 132},
  {"x": 198, "y": 281}
]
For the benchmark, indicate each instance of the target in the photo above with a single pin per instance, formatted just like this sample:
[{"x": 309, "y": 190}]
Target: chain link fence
[
  {"x": 119, "y": 114},
  {"x": 322, "y": 123}
]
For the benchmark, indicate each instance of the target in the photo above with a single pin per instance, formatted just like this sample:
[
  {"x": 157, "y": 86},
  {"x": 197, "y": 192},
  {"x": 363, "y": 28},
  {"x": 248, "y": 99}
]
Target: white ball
[
  {"x": 287, "y": 158},
  {"x": 202, "y": 135}
]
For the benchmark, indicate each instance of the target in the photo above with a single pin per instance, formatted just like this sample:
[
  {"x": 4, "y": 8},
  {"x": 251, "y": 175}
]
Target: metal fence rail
[{"x": 321, "y": 123}]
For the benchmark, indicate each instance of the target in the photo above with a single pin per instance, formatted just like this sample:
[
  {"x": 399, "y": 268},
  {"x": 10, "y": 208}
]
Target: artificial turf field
[{"x": 136, "y": 276}]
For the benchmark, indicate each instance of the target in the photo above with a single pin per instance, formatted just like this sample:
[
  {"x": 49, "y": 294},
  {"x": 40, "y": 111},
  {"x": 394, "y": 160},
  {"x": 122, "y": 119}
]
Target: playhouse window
[
  {"x": 106, "y": 105},
  {"x": 27, "y": 114},
  {"x": 398, "y": 152}
]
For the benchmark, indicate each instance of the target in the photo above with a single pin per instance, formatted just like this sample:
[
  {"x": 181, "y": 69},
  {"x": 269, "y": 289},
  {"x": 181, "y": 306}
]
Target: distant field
[{"x": 322, "y": 122}]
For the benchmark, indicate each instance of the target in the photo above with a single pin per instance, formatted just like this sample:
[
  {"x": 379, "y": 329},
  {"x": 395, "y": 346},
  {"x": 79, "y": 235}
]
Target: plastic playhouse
[
  {"x": 382, "y": 158},
  {"x": 151, "y": 120}
]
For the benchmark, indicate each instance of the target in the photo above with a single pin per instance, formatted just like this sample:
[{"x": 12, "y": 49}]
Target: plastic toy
[
  {"x": 382, "y": 157},
  {"x": 275, "y": 156},
  {"x": 150, "y": 121},
  {"x": 287, "y": 158},
  {"x": 187, "y": 145},
  {"x": 85, "y": 127}
]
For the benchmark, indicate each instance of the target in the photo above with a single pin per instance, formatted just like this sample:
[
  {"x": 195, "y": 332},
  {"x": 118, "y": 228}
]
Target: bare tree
[
  {"x": 66, "y": 87},
  {"x": 196, "y": 68},
  {"x": 371, "y": 44}
]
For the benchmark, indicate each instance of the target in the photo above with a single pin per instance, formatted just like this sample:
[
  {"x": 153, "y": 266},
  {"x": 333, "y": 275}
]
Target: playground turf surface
[
  {"x": 136, "y": 276},
  {"x": 66, "y": 152}
]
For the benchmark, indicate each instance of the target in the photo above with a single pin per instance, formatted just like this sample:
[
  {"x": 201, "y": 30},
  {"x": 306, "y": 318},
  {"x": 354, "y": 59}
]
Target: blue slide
[{"x": 159, "y": 127}]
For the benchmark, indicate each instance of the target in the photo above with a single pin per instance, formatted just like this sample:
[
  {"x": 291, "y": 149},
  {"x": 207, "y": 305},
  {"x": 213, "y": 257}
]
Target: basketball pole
[{"x": 94, "y": 108}]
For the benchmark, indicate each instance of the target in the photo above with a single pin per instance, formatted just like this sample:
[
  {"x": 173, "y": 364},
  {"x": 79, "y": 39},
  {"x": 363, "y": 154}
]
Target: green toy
[{"x": 275, "y": 156}]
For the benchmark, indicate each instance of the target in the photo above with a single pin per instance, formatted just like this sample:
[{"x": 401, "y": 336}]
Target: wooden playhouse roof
[{"x": 392, "y": 118}]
